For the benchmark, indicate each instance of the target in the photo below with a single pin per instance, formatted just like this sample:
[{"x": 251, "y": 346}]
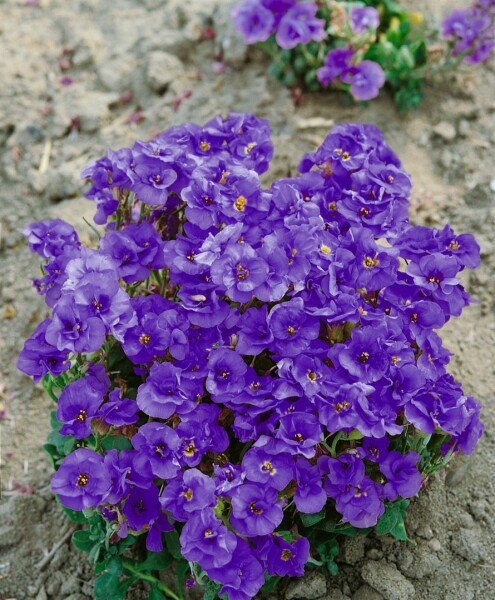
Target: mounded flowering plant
[
  {"x": 242, "y": 375},
  {"x": 359, "y": 46}
]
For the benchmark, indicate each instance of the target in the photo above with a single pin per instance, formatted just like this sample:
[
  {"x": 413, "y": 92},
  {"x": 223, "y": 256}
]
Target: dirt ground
[{"x": 80, "y": 76}]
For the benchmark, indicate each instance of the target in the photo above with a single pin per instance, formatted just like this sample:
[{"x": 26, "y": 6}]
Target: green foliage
[
  {"x": 399, "y": 48},
  {"x": 392, "y": 520}
]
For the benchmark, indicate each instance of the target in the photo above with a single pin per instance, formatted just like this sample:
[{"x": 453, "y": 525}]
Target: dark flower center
[
  {"x": 267, "y": 467},
  {"x": 188, "y": 494},
  {"x": 364, "y": 357},
  {"x": 370, "y": 263},
  {"x": 97, "y": 304},
  {"x": 286, "y": 554},
  {"x": 190, "y": 449},
  {"x": 340, "y": 406},
  {"x": 312, "y": 376},
  {"x": 242, "y": 272},
  {"x": 82, "y": 480},
  {"x": 240, "y": 204},
  {"x": 254, "y": 510},
  {"x": 364, "y": 212},
  {"x": 291, "y": 330},
  {"x": 298, "y": 437},
  {"x": 159, "y": 449},
  {"x": 191, "y": 256},
  {"x": 414, "y": 317},
  {"x": 144, "y": 339},
  {"x": 81, "y": 416},
  {"x": 208, "y": 533}
]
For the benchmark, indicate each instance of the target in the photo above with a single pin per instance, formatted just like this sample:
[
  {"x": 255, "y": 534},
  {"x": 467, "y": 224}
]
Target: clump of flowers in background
[
  {"x": 244, "y": 374},
  {"x": 359, "y": 47}
]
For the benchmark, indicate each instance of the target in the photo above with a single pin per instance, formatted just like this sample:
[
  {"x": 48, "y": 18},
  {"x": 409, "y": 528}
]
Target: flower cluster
[
  {"x": 471, "y": 31},
  {"x": 259, "y": 355},
  {"x": 358, "y": 47}
]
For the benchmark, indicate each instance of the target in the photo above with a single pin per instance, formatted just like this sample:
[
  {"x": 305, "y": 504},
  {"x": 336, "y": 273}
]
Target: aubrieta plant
[
  {"x": 242, "y": 375},
  {"x": 358, "y": 47}
]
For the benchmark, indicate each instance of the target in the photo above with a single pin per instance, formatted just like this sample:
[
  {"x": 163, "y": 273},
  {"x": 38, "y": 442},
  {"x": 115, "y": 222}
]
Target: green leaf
[
  {"x": 76, "y": 516},
  {"x": 183, "y": 569},
  {"x": 107, "y": 587},
  {"x": 399, "y": 532},
  {"x": 392, "y": 520},
  {"x": 211, "y": 590},
  {"x": 156, "y": 561},
  {"x": 309, "y": 520},
  {"x": 116, "y": 442},
  {"x": 69, "y": 445},
  {"x": 114, "y": 566},
  {"x": 173, "y": 544},
  {"x": 155, "y": 594},
  {"x": 83, "y": 540},
  {"x": 270, "y": 584}
]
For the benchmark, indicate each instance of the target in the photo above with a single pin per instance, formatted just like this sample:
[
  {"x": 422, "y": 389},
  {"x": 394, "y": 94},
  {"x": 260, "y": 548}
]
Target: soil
[{"x": 135, "y": 67}]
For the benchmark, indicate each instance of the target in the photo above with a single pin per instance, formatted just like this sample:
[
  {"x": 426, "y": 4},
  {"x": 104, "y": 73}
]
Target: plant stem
[{"x": 147, "y": 577}]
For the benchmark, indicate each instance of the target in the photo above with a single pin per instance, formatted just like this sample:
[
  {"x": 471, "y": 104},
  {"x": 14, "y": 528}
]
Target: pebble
[
  {"x": 445, "y": 130},
  {"x": 309, "y": 587},
  {"x": 365, "y": 592},
  {"x": 425, "y": 532},
  {"x": 435, "y": 545},
  {"x": 386, "y": 579},
  {"x": 163, "y": 68},
  {"x": 42, "y": 594},
  {"x": 492, "y": 185},
  {"x": 374, "y": 554},
  {"x": 466, "y": 543}
]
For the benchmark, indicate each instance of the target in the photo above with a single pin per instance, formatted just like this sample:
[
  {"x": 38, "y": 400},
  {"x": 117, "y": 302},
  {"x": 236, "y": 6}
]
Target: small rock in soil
[
  {"x": 365, "y": 592},
  {"x": 309, "y": 587},
  {"x": 163, "y": 68},
  {"x": 445, "y": 131},
  {"x": 465, "y": 543},
  {"x": 387, "y": 580}
]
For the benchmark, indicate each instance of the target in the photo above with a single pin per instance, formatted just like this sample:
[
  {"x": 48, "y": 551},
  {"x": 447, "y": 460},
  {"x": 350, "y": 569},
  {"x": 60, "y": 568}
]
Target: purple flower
[
  {"x": 254, "y": 333},
  {"x": 78, "y": 404},
  {"x": 118, "y": 411},
  {"x": 300, "y": 432},
  {"x": 82, "y": 480},
  {"x": 365, "y": 79},
  {"x": 337, "y": 62},
  {"x": 226, "y": 371},
  {"x": 292, "y": 328},
  {"x": 401, "y": 471},
  {"x": 242, "y": 577},
  {"x": 193, "y": 493},
  {"x": 51, "y": 238},
  {"x": 159, "y": 443},
  {"x": 240, "y": 271},
  {"x": 255, "y": 510},
  {"x": 270, "y": 469},
  {"x": 204, "y": 539},
  {"x": 38, "y": 357},
  {"x": 300, "y": 26},
  {"x": 141, "y": 507},
  {"x": 364, "y": 18},
  {"x": 285, "y": 558},
  {"x": 74, "y": 328},
  {"x": 310, "y": 497},
  {"x": 166, "y": 392},
  {"x": 253, "y": 21}
]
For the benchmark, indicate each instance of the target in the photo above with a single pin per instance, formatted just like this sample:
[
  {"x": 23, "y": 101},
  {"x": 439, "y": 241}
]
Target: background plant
[
  {"x": 360, "y": 46},
  {"x": 243, "y": 375}
]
